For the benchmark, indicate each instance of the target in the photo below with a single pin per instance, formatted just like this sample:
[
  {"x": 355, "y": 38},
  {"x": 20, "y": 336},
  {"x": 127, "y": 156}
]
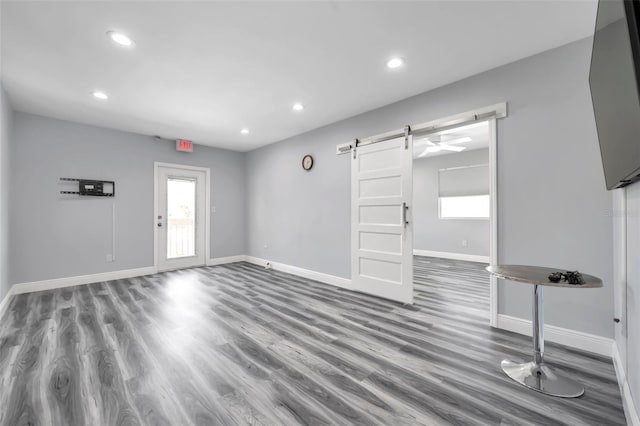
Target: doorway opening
[
  {"x": 452, "y": 217},
  {"x": 382, "y": 196},
  {"x": 181, "y": 222}
]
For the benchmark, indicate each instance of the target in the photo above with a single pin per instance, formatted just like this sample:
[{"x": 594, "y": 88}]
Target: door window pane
[{"x": 181, "y": 211}]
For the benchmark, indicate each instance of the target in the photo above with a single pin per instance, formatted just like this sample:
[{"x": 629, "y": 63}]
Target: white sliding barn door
[{"x": 381, "y": 233}]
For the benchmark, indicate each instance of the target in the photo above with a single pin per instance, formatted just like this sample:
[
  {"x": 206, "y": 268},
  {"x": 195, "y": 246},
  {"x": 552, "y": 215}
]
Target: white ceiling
[
  {"x": 478, "y": 132},
  {"x": 204, "y": 70}
]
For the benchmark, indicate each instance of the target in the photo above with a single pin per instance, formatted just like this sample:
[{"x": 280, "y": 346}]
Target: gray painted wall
[
  {"x": 552, "y": 202},
  {"x": 429, "y": 231},
  {"x": 6, "y": 123},
  {"x": 56, "y": 236}
]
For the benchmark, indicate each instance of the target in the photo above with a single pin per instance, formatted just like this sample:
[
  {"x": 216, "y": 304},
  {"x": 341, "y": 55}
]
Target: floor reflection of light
[{"x": 182, "y": 314}]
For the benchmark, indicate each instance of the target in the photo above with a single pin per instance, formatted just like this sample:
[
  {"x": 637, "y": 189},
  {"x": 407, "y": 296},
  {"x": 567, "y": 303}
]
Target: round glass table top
[{"x": 539, "y": 275}]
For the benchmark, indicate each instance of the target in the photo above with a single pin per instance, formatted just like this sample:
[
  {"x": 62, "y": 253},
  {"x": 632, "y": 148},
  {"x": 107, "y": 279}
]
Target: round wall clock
[{"x": 307, "y": 162}]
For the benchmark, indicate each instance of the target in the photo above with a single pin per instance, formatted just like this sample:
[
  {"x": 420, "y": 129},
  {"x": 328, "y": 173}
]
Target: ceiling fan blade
[
  {"x": 423, "y": 142},
  {"x": 430, "y": 149},
  {"x": 452, "y": 148},
  {"x": 433, "y": 148},
  {"x": 457, "y": 140}
]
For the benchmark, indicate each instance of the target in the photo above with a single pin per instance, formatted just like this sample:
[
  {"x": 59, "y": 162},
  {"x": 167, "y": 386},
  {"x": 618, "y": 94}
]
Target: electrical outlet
[
  {"x": 465, "y": 243},
  {"x": 109, "y": 258},
  {"x": 213, "y": 209}
]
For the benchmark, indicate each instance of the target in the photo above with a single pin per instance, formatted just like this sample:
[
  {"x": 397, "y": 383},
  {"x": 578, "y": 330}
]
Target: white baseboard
[
  {"x": 305, "y": 273},
  {"x": 630, "y": 410},
  {"x": 104, "y": 276},
  {"x": 455, "y": 256},
  {"x": 80, "y": 279},
  {"x": 576, "y": 339},
  {"x": 228, "y": 259}
]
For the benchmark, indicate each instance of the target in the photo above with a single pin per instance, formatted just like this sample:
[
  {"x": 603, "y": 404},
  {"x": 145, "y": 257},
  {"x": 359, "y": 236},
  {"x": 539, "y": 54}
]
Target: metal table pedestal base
[
  {"x": 537, "y": 374},
  {"x": 542, "y": 378}
]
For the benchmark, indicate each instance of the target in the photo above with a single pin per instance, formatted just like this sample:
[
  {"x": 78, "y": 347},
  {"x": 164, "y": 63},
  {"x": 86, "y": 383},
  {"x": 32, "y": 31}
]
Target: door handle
[{"x": 405, "y": 208}]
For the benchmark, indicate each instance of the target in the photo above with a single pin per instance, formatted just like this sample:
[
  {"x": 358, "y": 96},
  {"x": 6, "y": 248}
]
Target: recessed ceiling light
[
  {"x": 100, "y": 95},
  {"x": 395, "y": 63},
  {"x": 244, "y": 131},
  {"x": 120, "y": 38},
  {"x": 298, "y": 106}
]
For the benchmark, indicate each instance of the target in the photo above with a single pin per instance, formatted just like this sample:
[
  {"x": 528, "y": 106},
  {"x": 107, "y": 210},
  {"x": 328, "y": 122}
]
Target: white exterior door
[
  {"x": 181, "y": 209},
  {"x": 381, "y": 232}
]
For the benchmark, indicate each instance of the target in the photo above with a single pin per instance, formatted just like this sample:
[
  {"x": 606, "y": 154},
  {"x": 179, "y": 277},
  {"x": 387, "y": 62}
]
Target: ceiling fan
[{"x": 436, "y": 144}]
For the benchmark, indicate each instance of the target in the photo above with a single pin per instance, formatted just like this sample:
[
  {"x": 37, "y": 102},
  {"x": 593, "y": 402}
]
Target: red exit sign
[{"x": 184, "y": 146}]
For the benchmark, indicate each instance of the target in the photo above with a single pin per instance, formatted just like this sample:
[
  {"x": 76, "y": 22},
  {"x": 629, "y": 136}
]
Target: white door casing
[
  {"x": 493, "y": 221},
  {"x": 198, "y": 254},
  {"x": 381, "y": 229}
]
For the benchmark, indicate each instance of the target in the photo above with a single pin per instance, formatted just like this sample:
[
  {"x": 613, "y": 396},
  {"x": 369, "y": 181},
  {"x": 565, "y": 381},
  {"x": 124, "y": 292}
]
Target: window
[
  {"x": 469, "y": 207},
  {"x": 181, "y": 207},
  {"x": 463, "y": 192}
]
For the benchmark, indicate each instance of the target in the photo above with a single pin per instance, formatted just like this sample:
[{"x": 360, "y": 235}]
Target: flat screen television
[{"x": 614, "y": 82}]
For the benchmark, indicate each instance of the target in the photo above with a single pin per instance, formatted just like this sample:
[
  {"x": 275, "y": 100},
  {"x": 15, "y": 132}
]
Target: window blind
[{"x": 464, "y": 181}]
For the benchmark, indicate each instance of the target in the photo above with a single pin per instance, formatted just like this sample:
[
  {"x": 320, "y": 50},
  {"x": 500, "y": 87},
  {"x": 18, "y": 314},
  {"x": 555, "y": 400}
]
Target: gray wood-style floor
[{"x": 237, "y": 344}]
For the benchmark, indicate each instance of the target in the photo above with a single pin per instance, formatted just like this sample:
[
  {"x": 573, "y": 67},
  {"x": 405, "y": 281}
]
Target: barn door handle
[{"x": 405, "y": 208}]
